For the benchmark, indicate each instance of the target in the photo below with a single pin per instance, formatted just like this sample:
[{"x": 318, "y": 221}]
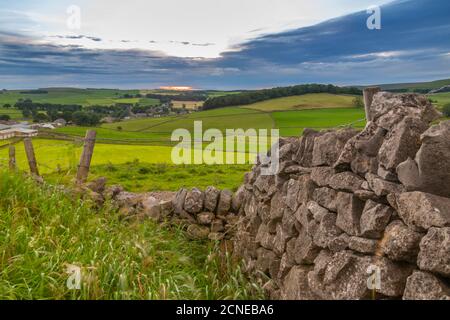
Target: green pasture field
[
  {"x": 84, "y": 97},
  {"x": 136, "y": 176},
  {"x": 307, "y": 101},
  {"x": 292, "y": 123},
  {"x": 138, "y": 168},
  {"x": 441, "y": 98}
]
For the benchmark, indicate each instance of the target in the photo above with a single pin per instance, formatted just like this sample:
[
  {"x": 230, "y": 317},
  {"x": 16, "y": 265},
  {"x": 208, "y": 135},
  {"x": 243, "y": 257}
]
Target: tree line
[
  {"x": 249, "y": 97},
  {"x": 87, "y": 116}
]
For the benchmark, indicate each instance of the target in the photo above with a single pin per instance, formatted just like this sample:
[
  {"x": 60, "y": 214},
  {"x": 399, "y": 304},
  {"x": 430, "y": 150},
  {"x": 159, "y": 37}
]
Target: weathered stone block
[
  {"x": 346, "y": 181},
  {"x": 326, "y": 197},
  {"x": 211, "y": 198},
  {"x": 434, "y": 254},
  {"x": 423, "y": 210},
  {"x": 193, "y": 202},
  {"x": 401, "y": 243},
  {"x": 224, "y": 203},
  {"x": 425, "y": 286},
  {"x": 349, "y": 209},
  {"x": 374, "y": 219}
]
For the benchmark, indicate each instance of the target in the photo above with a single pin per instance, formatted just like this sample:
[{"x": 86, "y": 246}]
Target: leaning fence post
[
  {"x": 29, "y": 150},
  {"x": 86, "y": 157},
  {"x": 12, "y": 158},
  {"x": 368, "y": 94}
]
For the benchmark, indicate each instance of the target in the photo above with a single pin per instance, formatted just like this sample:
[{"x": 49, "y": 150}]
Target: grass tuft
[{"x": 44, "y": 232}]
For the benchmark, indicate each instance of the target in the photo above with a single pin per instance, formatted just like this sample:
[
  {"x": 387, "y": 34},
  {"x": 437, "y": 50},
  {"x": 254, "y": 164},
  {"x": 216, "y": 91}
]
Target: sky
[{"x": 233, "y": 44}]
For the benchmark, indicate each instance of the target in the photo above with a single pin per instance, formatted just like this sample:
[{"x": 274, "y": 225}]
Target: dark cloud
[
  {"x": 411, "y": 46},
  {"x": 78, "y": 37}
]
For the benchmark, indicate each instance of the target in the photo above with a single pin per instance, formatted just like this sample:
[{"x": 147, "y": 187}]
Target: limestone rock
[
  {"x": 277, "y": 206},
  {"x": 305, "y": 249},
  {"x": 224, "y": 204},
  {"x": 205, "y": 218},
  {"x": 194, "y": 201},
  {"x": 328, "y": 146},
  {"x": 388, "y": 109},
  {"x": 211, "y": 198},
  {"x": 349, "y": 209},
  {"x": 386, "y": 174},
  {"x": 98, "y": 185},
  {"x": 215, "y": 236},
  {"x": 327, "y": 231},
  {"x": 113, "y": 191},
  {"x": 382, "y": 187},
  {"x": 306, "y": 145},
  {"x": 267, "y": 261},
  {"x": 321, "y": 175},
  {"x": 401, "y": 142},
  {"x": 341, "y": 277},
  {"x": 425, "y": 286},
  {"x": 197, "y": 232},
  {"x": 365, "y": 195},
  {"x": 363, "y": 245},
  {"x": 296, "y": 285},
  {"x": 238, "y": 199},
  {"x": 280, "y": 240},
  {"x": 304, "y": 216},
  {"x": 151, "y": 208},
  {"x": 346, "y": 181},
  {"x": 166, "y": 208},
  {"x": 434, "y": 252},
  {"x": 326, "y": 197},
  {"x": 307, "y": 187},
  {"x": 359, "y": 153},
  {"x": 408, "y": 174},
  {"x": 424, "y": 210},
  {"x": 296, "y": 169},
  {"x": 217, "y": 225},
  {"x": 432, "y": 173},
  {"x": 264, "y": 238},
  {"x": 401, "y": 243},
  {"x": 339, "y": 243},
  {"x": 317, "y": 211},
  {"x": 392, "y": 275},
  {"x": 374, "y": 219},
  {"x": 285, "y": 267},
  {"x": 288, "y": 223},
  {"x": 293, "y": 189}
]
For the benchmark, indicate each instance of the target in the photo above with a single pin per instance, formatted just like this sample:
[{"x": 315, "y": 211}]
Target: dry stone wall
[{"x": 352, "y": 214}]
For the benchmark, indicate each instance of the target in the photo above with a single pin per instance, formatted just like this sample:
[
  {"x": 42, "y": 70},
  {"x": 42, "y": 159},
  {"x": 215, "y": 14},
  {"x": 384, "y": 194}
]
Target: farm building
[
  {"x": 18, "y": 130},
  {"x": 60, "y": 122}
]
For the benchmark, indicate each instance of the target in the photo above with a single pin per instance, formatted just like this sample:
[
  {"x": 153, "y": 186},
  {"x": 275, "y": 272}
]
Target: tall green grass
[{"x": 43, "y": 231}]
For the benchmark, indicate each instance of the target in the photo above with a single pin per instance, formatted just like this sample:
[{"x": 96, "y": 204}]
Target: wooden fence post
[
  {"x": 12, "y": 158},
  {"x": 29, "y": 150},
  {"x": 86, "y": 157},
  {"x": 368, "y": 94}
]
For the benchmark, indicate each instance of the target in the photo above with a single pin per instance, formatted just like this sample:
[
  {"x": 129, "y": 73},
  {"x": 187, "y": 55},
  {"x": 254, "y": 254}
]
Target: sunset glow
[{"x": 177, "y": 88}]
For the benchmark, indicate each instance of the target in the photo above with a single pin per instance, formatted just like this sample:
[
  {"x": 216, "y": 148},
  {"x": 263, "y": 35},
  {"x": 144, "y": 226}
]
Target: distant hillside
[
  {"x": 304, "y": 102},
  {"x": 250, "y": 97},
  {"x": 423, "y": 87}
]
